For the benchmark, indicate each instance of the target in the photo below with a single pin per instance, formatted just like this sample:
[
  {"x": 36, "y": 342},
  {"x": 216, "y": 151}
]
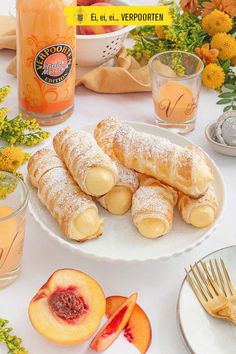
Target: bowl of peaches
[{"x": 96, "y": 45}]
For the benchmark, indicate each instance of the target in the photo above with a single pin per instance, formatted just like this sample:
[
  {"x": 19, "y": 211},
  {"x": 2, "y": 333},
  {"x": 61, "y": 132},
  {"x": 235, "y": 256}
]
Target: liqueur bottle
[{"x": 45, "y": 60}]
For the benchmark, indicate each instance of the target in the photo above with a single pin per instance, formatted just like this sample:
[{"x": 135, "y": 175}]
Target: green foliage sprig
[
  {"x": 18, "y": 131},
  {"x": 12, "y": 342},
  {"x": 228, "y": 93},
  {"x": 15, "y": 132},
  {"x": 185, "y": 34}
]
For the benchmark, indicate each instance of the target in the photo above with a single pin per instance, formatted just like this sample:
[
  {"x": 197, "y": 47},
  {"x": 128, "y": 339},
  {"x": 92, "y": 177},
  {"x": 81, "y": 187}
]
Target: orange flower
[
  {"x": 206, "y": 54},
  {"x": 190, "y": 6},
  {"x": 233, "y": 61},
  {"x": 228, "y": 6}
]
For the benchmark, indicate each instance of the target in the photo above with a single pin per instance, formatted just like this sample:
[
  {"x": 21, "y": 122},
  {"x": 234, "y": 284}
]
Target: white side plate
[{"x": 202, "y": 333}]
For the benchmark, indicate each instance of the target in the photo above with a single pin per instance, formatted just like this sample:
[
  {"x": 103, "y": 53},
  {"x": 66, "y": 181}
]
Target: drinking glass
[
  {"x": 176, "y": 82},
  {"x": 13, "y": 206}
]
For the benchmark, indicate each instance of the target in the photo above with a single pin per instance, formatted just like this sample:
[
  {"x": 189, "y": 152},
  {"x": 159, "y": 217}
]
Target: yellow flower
[
  {"x": 3, "y": 113},
  {"x": 4, "y": 91},
  {"x": 226, "y": 44},
  {"x": 11, "y": 158},
  {"x": 213, "y": 76},
  {"x": 217, "y": 21}
]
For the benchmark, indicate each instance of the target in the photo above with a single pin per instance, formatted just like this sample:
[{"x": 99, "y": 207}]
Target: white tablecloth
[{"x": 157, "y": 283}]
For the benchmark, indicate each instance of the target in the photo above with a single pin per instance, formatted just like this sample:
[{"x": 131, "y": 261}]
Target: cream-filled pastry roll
[
  {"x": 91, "y": 168},
  {"x": 199, "y": 212},
  {"x": 75, "y": 211},
  {"x": 174, "y": 165},
  {"x": 153, "y": 207},
  {"x": 118, "y": 201},
  {"x": 41, "y": 162}
]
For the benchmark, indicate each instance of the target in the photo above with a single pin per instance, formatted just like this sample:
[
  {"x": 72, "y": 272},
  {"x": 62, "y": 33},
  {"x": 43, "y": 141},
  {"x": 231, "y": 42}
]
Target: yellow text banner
[{"x": 118, "y": 15}]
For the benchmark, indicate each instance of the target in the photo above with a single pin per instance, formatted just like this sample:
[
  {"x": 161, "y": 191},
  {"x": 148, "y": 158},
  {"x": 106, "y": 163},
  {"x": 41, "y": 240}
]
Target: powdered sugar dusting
[
  {"x": 104, "y": 134},
  {"x": 148, "y": 200},
  {"x": 142, "y": 143},
  {"x": 41, "y": 162},
  {"x": 159, "y": 158},
  {"x": 61, "y": 195},
  {"x": 58, "y": 182},
  {"x": 127, "y": 177},
  {"x": 80, "y": 153}
]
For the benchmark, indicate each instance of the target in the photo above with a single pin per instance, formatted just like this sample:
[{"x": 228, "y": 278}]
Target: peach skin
[
  {"x": 114, "y": 326},
  {"x": 138, "y": 330}
]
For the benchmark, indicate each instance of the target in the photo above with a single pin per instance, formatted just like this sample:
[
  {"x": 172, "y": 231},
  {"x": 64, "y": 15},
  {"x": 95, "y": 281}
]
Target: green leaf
[
  {"x": 226, "y": 66},
  {"x": 227, "y": 108},
  {"x": 230, "y": 86},
  {"x": 227, "y": 95},
  {"x": 224, "y": 101},
  {"x": 234, "y": 108}
]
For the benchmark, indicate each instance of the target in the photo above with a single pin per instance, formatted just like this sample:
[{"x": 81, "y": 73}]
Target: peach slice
[
  {"x": 68, "y": 309},
  {"x": 138, "y": 329},
  {"x": 115, "y": 325}
]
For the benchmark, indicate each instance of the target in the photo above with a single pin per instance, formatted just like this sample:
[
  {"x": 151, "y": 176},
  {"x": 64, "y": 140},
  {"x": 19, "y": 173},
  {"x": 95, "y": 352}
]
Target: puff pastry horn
[
  {"x": 104, "y": 134},
  {"x": 41, "y": 162},
  {"x": 174, "y": 165},
  {"x": 92, "y": 169},
  {"x": 118, "y": 201},
  {"x": 153, "y": 207},
  {"x": 199, "y": 212},
  {"x": 75, "y": 212}
]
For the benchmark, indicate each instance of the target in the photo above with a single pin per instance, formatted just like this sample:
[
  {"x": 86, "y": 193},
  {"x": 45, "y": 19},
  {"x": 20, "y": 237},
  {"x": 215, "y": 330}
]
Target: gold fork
[
  {"x": 209, "y": 293},
  {"x": 224, "y": 281}
]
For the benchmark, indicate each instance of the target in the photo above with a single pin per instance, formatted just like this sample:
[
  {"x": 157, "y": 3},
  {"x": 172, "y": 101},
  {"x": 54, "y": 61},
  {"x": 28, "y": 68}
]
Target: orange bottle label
[{"x": 53, "y": 64}]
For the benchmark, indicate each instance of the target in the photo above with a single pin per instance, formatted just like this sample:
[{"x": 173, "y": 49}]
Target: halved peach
[
  {"x": 68, "y": 308},
  {"x": 138, "y": 330},
  {"x": 115, "y": 325}
]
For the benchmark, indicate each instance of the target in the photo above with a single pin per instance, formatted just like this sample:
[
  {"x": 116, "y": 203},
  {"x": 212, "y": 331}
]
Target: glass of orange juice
[
  {"x": 13, "y": 206},
  {"x": 176, "y": 82}
]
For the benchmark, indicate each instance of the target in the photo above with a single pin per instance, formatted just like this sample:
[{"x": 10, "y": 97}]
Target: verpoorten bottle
[{"x": 45, "y": 60}]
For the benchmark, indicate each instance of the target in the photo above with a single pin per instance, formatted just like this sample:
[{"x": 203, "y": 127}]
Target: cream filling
[
  {"x": 99, "y": 181},
  {"x": 151, "y": 228},
  {"x": 203, "y": 176},
  {"x": 118, "y": 200},
  {"x": 86, "y": 224},
  {"x": 202, "y": 216}
]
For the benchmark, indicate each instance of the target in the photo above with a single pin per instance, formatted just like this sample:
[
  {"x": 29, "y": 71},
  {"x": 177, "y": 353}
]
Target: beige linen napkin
[{"x": 126, "y": 76}]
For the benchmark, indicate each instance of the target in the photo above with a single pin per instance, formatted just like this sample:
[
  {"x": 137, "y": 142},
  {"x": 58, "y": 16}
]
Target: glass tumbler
[
  {"x": 13, "y": 206},
  {"x": 176, "y": 82}
]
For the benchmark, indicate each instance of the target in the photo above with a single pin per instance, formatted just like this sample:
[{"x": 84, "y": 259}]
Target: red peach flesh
[
  {"x": 66, "y": 304},
  {"x": 112, "y": 327}
]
